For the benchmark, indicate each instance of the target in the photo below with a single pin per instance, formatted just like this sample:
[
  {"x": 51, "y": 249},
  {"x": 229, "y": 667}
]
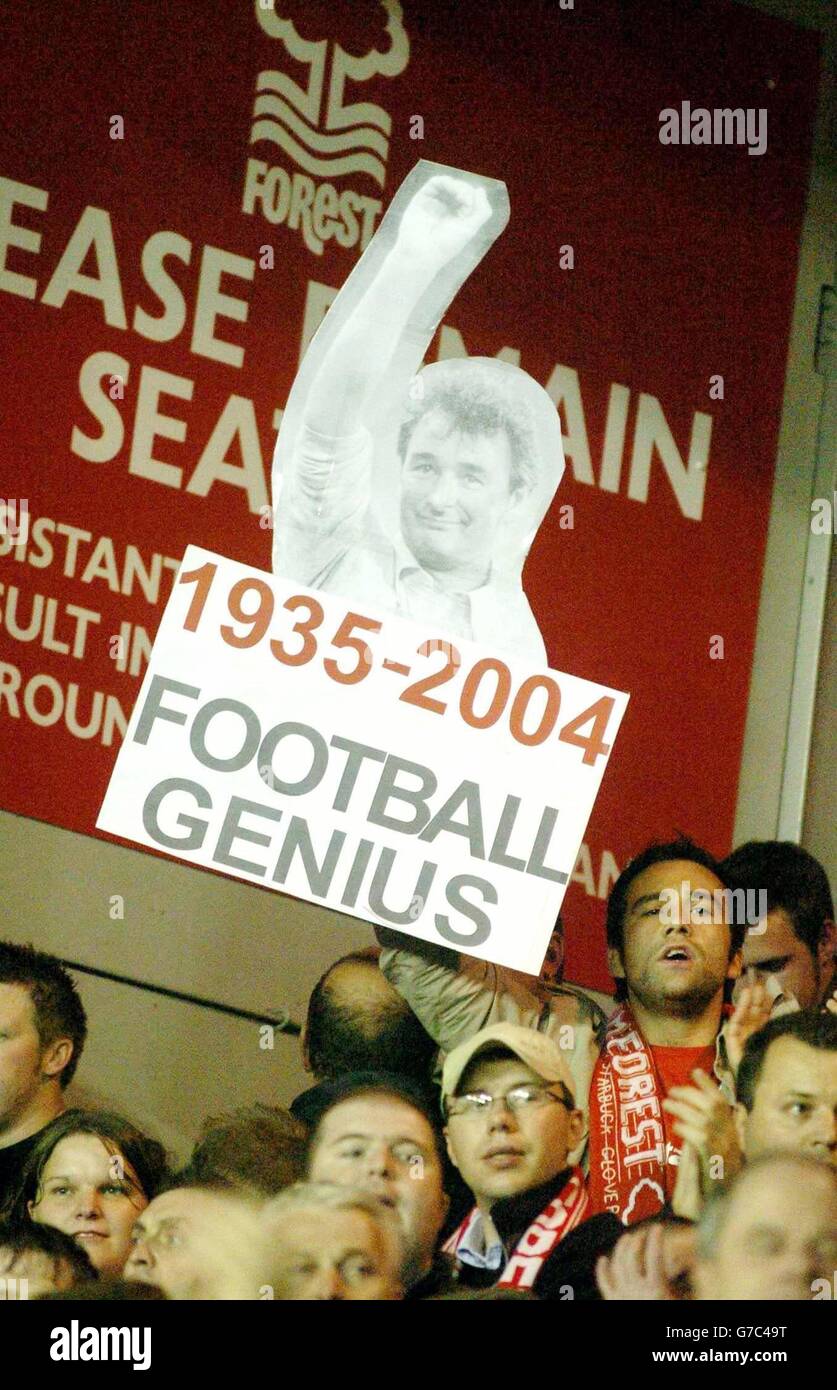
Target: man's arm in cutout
[
  {"x": 436, "y": 225},
  {"x": 325, "y": 493}
]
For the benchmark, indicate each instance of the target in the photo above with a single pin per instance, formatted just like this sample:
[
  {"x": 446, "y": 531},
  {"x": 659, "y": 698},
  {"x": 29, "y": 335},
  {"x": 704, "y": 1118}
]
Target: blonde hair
[{"x": 305, "y": 1196}]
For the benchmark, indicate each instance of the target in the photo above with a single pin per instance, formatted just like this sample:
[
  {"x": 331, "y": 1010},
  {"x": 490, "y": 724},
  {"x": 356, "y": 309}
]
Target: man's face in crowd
[
  {"x": 456, "y": 491},
  {"x": 677, "y": 965},
  {"x": 385, "y": 1146},
  {"x": 322, "y": 1253},
  {"x": 198, "y": 1244},
  {"x": 778, "y": 1235},
  {"x": 20, "y": 1055},
  {"x": 43, "y": 1273},
  {"x": 795, "y": 1102},
  {"x": 92, "y": 1195},
  {"x": 501, "y": 1152},
  {"x": 778, "y": 951}
]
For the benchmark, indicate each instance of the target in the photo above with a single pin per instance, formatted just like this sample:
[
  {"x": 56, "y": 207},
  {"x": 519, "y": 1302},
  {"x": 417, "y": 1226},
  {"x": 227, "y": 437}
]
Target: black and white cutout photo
[{"x": 422, "y": 495}]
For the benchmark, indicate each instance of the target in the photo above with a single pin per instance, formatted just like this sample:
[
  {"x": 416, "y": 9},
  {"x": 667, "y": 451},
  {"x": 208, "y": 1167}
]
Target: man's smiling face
[{"x": 456, "y": 491}]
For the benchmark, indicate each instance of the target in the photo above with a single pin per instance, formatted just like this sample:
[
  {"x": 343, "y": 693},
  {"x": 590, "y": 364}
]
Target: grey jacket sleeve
[
  {"x": 321, "y": 504},
  {"x": 455, "y": 996}
]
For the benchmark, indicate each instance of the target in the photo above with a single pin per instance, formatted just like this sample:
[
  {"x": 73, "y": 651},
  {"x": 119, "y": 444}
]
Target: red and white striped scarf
[
  {"x": 627, "y": 1134},
  {"x": 566, "y": 1211}
]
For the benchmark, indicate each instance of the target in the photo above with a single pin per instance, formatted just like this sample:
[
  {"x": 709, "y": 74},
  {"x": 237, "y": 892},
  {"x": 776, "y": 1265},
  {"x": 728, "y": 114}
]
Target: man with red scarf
[
  {"x": 678, "y": 1006},
  {"x": 674, "y": 952},
  {"x": 511, "y": 1122}
]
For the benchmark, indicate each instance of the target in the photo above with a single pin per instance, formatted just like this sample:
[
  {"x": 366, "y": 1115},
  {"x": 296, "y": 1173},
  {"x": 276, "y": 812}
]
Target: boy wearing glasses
[{"x": 511, "y": 1122}]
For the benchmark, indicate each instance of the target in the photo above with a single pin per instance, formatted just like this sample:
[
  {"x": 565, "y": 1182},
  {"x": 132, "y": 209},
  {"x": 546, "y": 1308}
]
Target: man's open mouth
[{"x": 682, "y": 954}]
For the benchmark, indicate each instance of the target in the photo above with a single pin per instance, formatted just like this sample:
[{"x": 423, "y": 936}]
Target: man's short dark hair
[
  {"x": 792, "y": 879},
  {"x": 815, "y": 1029},
  {"x": 322, "y": 1099},
  {"x": 59, "y": 1012},
  {"x": 259, "y": 1146},
  {"x": 478, "y": 401},
  {"x": 19, "y": 1238},
  {"x": 659, "y": 853},
  {"x": 341, "y": 1037}
]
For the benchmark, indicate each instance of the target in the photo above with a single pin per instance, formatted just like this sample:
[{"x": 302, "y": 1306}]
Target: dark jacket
[
  {"x": 571, "y": 1265},
  {"x": 440, "y": 1279},
  {"x": 12, "y": 1163}
]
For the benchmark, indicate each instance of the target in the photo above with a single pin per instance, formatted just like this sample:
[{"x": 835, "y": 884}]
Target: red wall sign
[{"x": 181, "y": 190}]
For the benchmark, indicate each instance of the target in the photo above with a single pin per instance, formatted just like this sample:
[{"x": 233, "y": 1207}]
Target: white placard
[{"x": 351, "y": 758}]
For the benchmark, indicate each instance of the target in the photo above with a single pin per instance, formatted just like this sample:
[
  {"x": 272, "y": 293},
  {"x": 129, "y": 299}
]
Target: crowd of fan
[{"x": 474, "y": 1132}]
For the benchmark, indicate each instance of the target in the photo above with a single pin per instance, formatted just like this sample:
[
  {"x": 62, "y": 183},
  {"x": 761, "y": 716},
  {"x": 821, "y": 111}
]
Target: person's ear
[
  {"x": 701, "y": 1280},
  {"x": 449, "y": 1147},
  {"x": 615, "y": 963},
  {"x": 30, "y": 1207},
  {"x": 827, "y": 951},
  {"x": 736, "y": 964},
  {"x": 519, "y": 497},
  {"x": 575, "y": 1129},
  {"x": 56, "y": 1057}
]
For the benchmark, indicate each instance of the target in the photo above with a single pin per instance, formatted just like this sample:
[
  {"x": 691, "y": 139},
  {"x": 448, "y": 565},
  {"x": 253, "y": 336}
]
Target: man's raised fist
[{"x": 442, "y": 218}]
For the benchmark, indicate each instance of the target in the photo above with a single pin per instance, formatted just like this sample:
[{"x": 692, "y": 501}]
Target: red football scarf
[
  {"x": 627, "y": 1134},
  {"x": 536, "y": 1244}
]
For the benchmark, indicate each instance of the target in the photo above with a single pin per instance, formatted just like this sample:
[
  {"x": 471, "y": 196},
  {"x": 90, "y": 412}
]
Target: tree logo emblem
[{"x": 315, "y": 125}]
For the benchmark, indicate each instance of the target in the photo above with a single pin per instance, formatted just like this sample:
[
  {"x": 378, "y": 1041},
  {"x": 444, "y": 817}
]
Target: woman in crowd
[{"x": 90, "y": 1175}]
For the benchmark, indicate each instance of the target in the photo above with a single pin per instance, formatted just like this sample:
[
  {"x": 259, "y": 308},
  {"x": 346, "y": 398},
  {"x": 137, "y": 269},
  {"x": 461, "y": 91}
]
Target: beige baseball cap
[{"x": 537, "y": 1050}]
